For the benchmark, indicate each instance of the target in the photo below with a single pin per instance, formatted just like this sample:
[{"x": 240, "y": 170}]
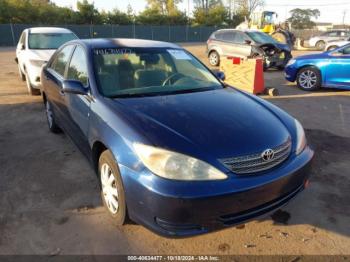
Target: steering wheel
[{"x": 175, "y": 77}]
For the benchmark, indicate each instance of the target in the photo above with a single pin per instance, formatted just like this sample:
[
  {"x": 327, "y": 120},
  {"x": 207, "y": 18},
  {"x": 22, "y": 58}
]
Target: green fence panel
[
  {"x": 123, "y": 31},
  {"x": 160, "y": 32},
  {"x": 102, "y": 31},
  {"x": 10, "y": 36},
  {"x": 82, "y": 31},
  {"x": 206, "y": 31},
  {"x": 177, "y": 34},
  {"x": 143, "y": 32},
  {"x": 194, "y": 34},
  {"x": 6, "y": 37}
]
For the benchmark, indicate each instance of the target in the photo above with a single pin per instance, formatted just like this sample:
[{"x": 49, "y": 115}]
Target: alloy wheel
[
  {"x": 213, "y": 58},
  {"x": 109, "y": 188},
  {"x": 308, "y": 79}
]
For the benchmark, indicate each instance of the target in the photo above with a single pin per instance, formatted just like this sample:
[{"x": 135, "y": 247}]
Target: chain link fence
[{"x": 10, "y": 33}]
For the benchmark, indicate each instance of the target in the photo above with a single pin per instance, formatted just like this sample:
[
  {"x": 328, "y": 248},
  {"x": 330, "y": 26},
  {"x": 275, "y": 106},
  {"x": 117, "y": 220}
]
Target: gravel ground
[{"x": 49, "y": 197}]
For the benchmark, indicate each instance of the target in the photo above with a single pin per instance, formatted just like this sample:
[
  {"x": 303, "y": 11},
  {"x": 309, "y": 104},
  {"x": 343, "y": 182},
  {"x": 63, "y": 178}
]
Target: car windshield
[
  {"x": 48, "y": 40},
  {"x": 126, "y": 72},
  {"x": 261, "y": 38}
]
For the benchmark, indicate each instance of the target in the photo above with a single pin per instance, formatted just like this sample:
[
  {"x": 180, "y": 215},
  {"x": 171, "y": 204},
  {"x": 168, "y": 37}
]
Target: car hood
[
  {"x": 44, "y": 55},
  {"x": 313, "y": 56},
  {"x": 223, "y": 123},
  {"x": 283, "y": 47}
]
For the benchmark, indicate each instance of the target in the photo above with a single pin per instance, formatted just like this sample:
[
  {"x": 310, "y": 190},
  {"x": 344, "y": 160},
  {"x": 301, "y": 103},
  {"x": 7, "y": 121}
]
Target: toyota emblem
[{"x": 268, "y": 155}]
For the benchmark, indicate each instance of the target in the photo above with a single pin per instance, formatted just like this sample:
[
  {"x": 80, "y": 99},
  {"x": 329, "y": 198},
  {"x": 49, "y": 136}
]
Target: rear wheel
[
  {"x": 214, "y": 58},
  {"x": 31, "y": 91},
  {"x": 320, "y": 45},
  {"x": 309, "y": 79},
  {"x": 54, "y": 128},
  {"x": 112, "y": 190}
]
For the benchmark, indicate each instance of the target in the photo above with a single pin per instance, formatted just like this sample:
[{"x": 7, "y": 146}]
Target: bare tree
[{"x": 253, "y": 5}]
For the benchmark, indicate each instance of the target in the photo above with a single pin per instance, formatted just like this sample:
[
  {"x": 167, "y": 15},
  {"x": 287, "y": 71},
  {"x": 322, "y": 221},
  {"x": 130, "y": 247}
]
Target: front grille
[{"x": 255, "y": 163}]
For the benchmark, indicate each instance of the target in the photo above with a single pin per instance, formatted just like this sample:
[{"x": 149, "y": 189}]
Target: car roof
[
  {"x": 44, "y": 30},
  {"x": 123, "y": 42}
]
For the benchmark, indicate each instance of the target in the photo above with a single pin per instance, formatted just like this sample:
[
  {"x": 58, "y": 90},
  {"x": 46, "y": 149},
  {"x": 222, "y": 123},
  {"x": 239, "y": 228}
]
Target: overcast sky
[{"x": 331, "y": 10}]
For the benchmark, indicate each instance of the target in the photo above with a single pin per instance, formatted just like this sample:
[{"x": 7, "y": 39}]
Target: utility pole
[{"x": 344, "y": 14}]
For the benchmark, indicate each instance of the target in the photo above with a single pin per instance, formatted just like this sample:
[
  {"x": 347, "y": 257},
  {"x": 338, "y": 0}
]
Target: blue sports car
[
  {"x": 174, "y": 148},
  {"x": 328, "y": 69}
]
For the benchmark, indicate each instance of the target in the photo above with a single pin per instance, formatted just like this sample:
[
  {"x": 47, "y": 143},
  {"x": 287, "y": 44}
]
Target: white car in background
[
  {"x": 335, "y": 35},
  {"x": 335, "y": 44},
  {"x": 34, "y": 49}
]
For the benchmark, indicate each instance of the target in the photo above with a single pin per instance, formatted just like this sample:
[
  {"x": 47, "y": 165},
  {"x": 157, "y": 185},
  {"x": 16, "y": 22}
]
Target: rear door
[
  {"x": 234, "y": 44},
  {"x": 338, "y": 69},
  {"x": 53, "y": 77},
  {"x": 78, "y": 106}
]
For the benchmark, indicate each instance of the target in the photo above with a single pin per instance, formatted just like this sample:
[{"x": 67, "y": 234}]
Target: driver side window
[
  {"x": 77, "y": 69},
  {"x": 61, "y": 59}
]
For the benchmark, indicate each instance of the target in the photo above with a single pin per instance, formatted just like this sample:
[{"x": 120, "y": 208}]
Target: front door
[
  {"x": 338, "y": 69},
  {"x": 78, "y": 106}
]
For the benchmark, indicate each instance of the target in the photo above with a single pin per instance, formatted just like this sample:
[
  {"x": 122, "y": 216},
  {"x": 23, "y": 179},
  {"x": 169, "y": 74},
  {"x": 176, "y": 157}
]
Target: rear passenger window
[
  {"x": 240, "y": 38},
  {"x": 228, "y": 36},
  {"x": 60, "y": 61},
  {"x": 218, "y": 35},
  {"x": 77, "y": 69}
]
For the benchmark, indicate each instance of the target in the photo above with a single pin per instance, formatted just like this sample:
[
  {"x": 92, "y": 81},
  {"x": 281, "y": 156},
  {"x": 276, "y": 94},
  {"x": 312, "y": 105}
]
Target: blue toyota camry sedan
[
  {"x": 328, "y": 69},
  {"x": 175, "y": 149}
]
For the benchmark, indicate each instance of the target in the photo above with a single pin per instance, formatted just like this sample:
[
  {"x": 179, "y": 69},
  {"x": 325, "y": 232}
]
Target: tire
[
  {"x": 320, "y": 45},
  {"x": 309, "y": 79},
  {"x": 21, "y": 75},
  {"x": 280, "y": 37},
  {"x": 53, "y": 127},
  {"x": 332, "y": 47},
  {"x": 112, "y": 189},
  {"x": 31, "y": 91},
  {"x": 214, "y": 58}
]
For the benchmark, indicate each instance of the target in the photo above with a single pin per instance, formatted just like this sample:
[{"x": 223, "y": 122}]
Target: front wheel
[
  {"x": 320, "y": 45},
  {"x": 309, "y": 79},
  {"x": 214, "y": 58},
  {"x": 112, "y": 190},
  {"x": 21, "y": 75}
]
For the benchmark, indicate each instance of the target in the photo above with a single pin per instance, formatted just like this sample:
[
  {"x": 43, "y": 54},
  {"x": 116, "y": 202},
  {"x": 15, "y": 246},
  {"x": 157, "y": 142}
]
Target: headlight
[
  {"x": 290, "y": 62},
  {"x": 176, "y": 166},
  {"x": 37, "y": 63},
  {"x": 301, "y": 139}
]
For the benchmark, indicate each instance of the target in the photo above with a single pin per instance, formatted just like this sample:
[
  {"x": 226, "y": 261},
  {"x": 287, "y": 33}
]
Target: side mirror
[
  {"x": 74, "y": 87},
  {"x": 248, "y": 42},
  {"x": 220, "y": 75}
]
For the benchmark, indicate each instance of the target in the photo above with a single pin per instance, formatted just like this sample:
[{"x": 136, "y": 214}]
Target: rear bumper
[{"x": 179, "y": 216}]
